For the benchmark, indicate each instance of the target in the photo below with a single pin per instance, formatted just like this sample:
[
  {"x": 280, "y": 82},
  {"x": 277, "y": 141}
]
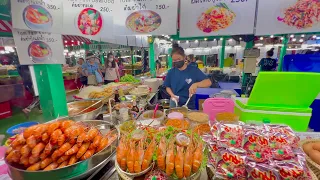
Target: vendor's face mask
[
  {"x": 178, "y": 64},
  {"x": 110, "y": 59}
]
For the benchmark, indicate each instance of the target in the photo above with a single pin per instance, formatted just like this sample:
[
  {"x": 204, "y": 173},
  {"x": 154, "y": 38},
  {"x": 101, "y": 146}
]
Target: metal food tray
[{"x": 79, "y": 170}]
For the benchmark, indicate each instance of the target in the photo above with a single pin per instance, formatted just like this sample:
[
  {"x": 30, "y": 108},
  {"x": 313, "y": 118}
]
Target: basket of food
[
  {"x": 312, "y": 149},
  {"x": 60, "y": 149}
]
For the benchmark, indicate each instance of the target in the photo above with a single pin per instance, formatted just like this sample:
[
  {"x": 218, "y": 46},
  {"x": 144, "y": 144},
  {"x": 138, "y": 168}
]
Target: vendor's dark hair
[
  {"x": 270, "y": 52},
  {"x": 176, "y": 49},
  {"x": 113, "y": 63}
]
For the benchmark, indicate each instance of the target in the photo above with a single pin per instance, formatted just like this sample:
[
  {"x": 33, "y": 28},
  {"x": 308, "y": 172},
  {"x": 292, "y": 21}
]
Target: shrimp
[
  {"x": 24, "y": 161},
  {"x": 43, "y": 155},
  {"x": 130, "y": 157},
  {"x": 73, "y": 160},
  {"x": 45, "y": 137},
  {"x": 96, "y": 141},
  {"x": 161, "y": 153},
  {"x": 38, "y": 149},
  {"x": 88, "y": 154},
  {"x": 73, "y": 150},
  {"x": 148, "y": 155},
  {"x": 51, "y": 166},
  {"x": 64, "y": 164},
  {"x": 82, "y": 149},
  {"x": 121, "y": 154},
  {"x": 66, "y": 124},
  {"x": 20, "y": 139},
  {"x": 197, "y": 157},
  {"x": 29, "y": 132},
  {"x": 53, "y": 127},
  {"x": 55, "y": 155},
  {"x": 103, "y": 143},
  {"x": 92, "y": 133},
  {"x": 64, "y": 148},
  {"x": 61, "y": 140},
  {"x": 25, "y": 151},
  {"x": 45, "y": 163},
  {"x": 81, "y": 138},
  {"x": 34, "y": 167},
  {"x": 62, "y": 159},
  {"x": 178, "y": 162},
  {"x": 33, "y": 159},
  {"x": 76, "y": 132},
  {"x": 48, "y": 148},
  {"x": 42, "y": 128},
  {"x": 55, "y": 136},
  {"x": 13, "y": 156},
  {"x": 170, "y": 158},
  {"x": 187, "y": 167},
  {"x": 32, "y": 141},
  {"x": 139, "y": 153}
]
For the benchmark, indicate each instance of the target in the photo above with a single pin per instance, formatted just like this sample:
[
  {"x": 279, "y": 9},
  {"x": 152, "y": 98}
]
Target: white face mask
[{"x": 110, "y": 59}]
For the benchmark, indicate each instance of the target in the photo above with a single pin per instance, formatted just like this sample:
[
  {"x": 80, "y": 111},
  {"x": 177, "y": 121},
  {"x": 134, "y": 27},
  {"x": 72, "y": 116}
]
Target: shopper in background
[
  {"x": 268, "y": 63},
  {"x": 192, "y": 60},
  {"x": 158, "y": 66},
  {"x": 121, "y": 67},
  {"x": 229, "y": 61},
  {"x": 112, "y": 69},
  {"x": 183, "y": 80},
  {"x": 91, "y": 70},
  {"x": 80, "y": 73}
]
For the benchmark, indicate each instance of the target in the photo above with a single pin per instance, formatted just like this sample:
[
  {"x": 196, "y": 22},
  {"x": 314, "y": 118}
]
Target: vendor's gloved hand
[{"x": 193, "y": 88}]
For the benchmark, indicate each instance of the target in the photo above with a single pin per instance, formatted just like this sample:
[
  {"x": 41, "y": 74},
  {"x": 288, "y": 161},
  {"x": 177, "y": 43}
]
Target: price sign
[
  {"x": 217, "y": 17},
  {"x": 149, "y": 17},
  {"x": 35, "y": 47},
  {"x": 88, "y": 18},
  {"x": 37, "y": 15}
]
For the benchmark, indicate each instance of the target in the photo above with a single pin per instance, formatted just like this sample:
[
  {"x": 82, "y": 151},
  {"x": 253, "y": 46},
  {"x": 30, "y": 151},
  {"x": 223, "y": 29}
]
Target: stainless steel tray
[{"x": 79, "y": 170}]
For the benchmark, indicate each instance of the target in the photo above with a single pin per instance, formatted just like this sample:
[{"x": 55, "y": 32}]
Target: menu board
[
  {"x": 216, "y": 17},
  {"x": 35, "y": 47},
  {"x": 288, "y": 16},
  {"x": 37, "y": 15},
  {"x": 149, "y": 17},
  {"x": 89, "y": 18}
]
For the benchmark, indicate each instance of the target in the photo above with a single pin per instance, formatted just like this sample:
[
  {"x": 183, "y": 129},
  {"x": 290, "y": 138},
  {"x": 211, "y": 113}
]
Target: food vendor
[{"x": 183, "y": 80}]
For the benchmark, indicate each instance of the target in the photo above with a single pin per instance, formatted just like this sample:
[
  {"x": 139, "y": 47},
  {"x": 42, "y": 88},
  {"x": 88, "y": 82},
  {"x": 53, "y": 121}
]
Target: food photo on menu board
[
  {"x": 144, "y": 21},
  {"x": 212, "y": 17},
  {"x": 91, "y": 18},
  {"x": 37, "y": 15},
  {"x": 288, "y": 16},
  {"x": 145, "y": 17},
  {"x": 35, "y": 47}
]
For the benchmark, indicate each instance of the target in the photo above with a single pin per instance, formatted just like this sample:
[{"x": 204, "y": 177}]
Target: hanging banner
[
  {"x": 35, "y": 47},
  {"x": 287, "y": 16},
  {"x": 216, "y": 17},
  {"x": 89, "y": 18},
  {"x": 149, "y": 17},
  {"x": 37, "y": 15}
]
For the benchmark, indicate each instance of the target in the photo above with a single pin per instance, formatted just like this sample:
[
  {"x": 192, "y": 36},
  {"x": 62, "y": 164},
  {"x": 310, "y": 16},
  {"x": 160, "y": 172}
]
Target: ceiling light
[
  {"x": 261, "y": 38},
  {"x": 272, "y": 36},
  {"x": 230, "y": 40},
  {"x": 240, "y": 38},
  {"x": 205, "y": 39},
  {"x": 171, "y": 39},
  {"x": 294, "y": 39},
  {"x": 187, "y": 41},
  {"x": 65, "y": 41},
  {"x": 258, "y": 44},
  {"x": 314, "y": 36},
  {"x": 221, "y": 39},
  {"x": 301, "y": 40},
  {"x": 291, "y": 35},
  {"x": 302, "y": 35},
  {"x": 196, "y": 41},
  {"x": 281, "y": 38},
  {"x": 178, "y": 42}
]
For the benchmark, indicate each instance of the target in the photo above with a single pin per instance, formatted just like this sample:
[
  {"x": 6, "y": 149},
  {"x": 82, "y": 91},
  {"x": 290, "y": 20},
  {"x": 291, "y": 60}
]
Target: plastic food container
[
  {"x": 200, "y": 118},
  {"x": 19, "y": 128},
  {"x": 175, "y": 115}
]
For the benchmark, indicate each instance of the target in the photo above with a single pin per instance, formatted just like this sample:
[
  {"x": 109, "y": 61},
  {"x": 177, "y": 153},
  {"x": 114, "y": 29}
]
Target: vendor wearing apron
[{"x": 183, "y": 80}]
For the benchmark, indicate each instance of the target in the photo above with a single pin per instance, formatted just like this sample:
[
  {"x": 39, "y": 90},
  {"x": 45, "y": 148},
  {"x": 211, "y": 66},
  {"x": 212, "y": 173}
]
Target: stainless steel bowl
[
  {"x": 75, "y": 171},
  {"x": 80, "y": 105},
  {"x": 165, "y": 103}
]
